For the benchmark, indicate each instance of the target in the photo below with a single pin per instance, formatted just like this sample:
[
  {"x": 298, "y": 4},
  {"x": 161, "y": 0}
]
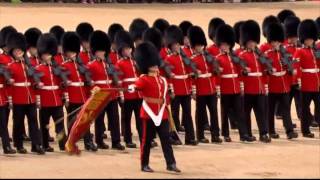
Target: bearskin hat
[
  {"x": 213, "y": 25},
  {"x": 16, "y": 41},
  {"x": 153, "y": 36},
  {"x": 318, "y": 25},
  {"x": 4, "y": 34},
  {"x": 283, "y": 14},
  {"x": 161, "y": 24},
  {"x": 99, "y": 41},
  {"x": 184, "y": 26},
  {"x": 137, "y": 28},
  {"x": 225, "y": 34},
  {"x": 236, "y": 28},
  {"x": 249, "y": 31},
  {"x": 291, "y": 26},
  {"x": 266, "y": 21},
  {"x": 173, "y": 34},
  {"x": 275, "y": 32},
  {"x": 146, "y": 56},
  {"x": 113, "y": 29},
  {"x": 197, "y": 36},
  {"x": 84, "y": 31},
  {"x": 58, "y": 32},
  {"x": 307, "y": 30},
  {"x": 32, "y": 35},
  {"x": 122, "y": 40},
  {"x": 47, "y": 43},
  {"x": 71, "y": 42}
]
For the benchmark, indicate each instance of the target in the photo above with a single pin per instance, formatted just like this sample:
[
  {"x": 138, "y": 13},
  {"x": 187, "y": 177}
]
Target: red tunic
[
  {"x": 265, "y": 47},
  {"x": 129, "y": 76},
  {"x": 213, "y": 50},
  {"x": 59, "y": 59},
  {"x": 310, "y": 77},
  {"x": 164, "y": 52},
  {"x": 113, "y": 57},
  {"x": 85, "y": 57},
  {"x": 51, "y": 87},
  {"x": 187, "y": 50},
  {"x": 291, "y": 48}
]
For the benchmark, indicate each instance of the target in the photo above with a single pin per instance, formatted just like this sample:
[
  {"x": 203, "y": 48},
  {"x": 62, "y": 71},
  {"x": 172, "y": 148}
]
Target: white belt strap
[
  {"x": 206, "y": 75},
  {"x": 49, "y": 87},
  {"x": 181, "y": 76},
  {"x": 103, "y": 82},
  {"x": 278, "y": 74},
  {"x": 229, "y": 75},
  {"x": 157, "y": 119},
  {"x": 22, "y": 84},
  {"x": 76, "y": 84},
  {"x": 315, "y": 70},
  {"x": 129, "y": 79},
  {"x": 255, "y": 74}
]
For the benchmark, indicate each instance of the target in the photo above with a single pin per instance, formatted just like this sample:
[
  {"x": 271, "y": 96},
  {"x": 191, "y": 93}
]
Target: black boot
[
  {"x": 51, "y": 139},
  {"x": 102, "y": 145},
  {"x": 216, "y": 140},
  {"x": 292, "y": 135},
  {"x": 9, "y": 150},
  {"x": 154, "y": 144},
  {"x": 265, "y": 139},
  {"x": 37, "y": 149},
  {"x": 49, "y": 149},
  {"x": 147, "y": 169},
  {"x": 227, "y": 139},
  {"x": 22, "y": 150},
  {"x": 308, "y": 135},
  {"x": 131, "y": 145},
  {"x": 274, "y": 135},
  {"x": 191, "y": 142},
  {"x": 91, "y": 147},
  {"x": 118, "y": 146},
  {"x": 26, "y": 138},
  {"x": 173, "y": 168},
  {"x": 204, "y": 141}
]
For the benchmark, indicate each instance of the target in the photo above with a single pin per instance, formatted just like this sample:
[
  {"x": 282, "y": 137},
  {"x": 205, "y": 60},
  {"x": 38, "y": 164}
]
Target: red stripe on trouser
[{"x": 143, "y": 142}]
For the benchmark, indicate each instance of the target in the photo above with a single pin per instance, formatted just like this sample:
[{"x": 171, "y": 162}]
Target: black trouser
[
  {"x": 258, "y": 104},
  {"x": 231, "y": 104},
  {"x": 72, "y": 118},
  {"x": 149, "y": 129},
  {"x": 296, "y": 95},
  {"x": 129, "y": 107},
  {"x": 4, "y": 133},
  {"x": 56, "y": 113},
  {"x": 282, "y": 99},
  {"x": 113, "y": 117},
  {"x": 185, "y": 102},
  {"x": 307, "y": 97},
  {"x": 19, "y": 112},
  {"x": 202, "y": 103}
]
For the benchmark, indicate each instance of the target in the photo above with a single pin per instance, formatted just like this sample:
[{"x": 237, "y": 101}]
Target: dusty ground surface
[{"x": 280, "y": 159}]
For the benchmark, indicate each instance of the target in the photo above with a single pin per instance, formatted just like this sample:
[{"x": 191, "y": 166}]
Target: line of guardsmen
[{"x": 40, "y": 73}]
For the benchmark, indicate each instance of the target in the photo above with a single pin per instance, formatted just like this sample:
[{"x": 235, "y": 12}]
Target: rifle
[
  {"x": 187, "y": 61},
  {"x": 112, "y": 71},
  {"x": 211, "y": 60},
  {"x": 264, "y": 60},
  {"x": 58, "y": 71},
  {"x": 31, "y": 71},
  {"x": 166, "y": 67},
  {"x": 316, "y": 52},
  {"x": 235, "y": 59},
  {"x": 5, "y": 73},
  {"x": 285, "y": 59},
  {"x": 84, "y": 71}
]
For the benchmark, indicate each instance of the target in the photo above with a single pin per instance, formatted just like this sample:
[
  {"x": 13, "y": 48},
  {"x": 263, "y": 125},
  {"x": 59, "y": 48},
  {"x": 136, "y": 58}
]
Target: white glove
[{"x": 132, "y": 88}]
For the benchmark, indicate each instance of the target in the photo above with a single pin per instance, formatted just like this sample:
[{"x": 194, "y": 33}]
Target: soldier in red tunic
[
  {"x": 212, "y": 28},
  {"x": 58, "y": 32},
  {"x": 22, "y": 94},
  {"x": 236, "y": 28},
  {"x": 112, "y": 31},
  {"x": 255, "y": 86},
  {"x": 279, "y": 82},
  {"x": 84, "y": 31},
  {"x": 310, "y": 79},
  {"x": 283, "y": 14},
  {"x": 32, "y": 35},
  {"x": 266, "y": 22},
  {"x": 136, "y": 29},
  {"x": 131, "y": 101},
  {"x": 76, "y": 93},
  {"x": 154, "y": 113},
  {"x": 204, "y": 88},
  {"x": 100, "y": 47},
  {"x": 51, "y": 83},
  {"x": 180, "y": 83},
  {"x": 184, "y": 26}
]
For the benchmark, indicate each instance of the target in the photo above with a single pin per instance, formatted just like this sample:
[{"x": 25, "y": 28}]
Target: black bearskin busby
[
  {"x": 291, "y": 26},
  {"x": 275, "y": 32},
  {"x": 113, "y": 29},
  {"x": 213, "y": 25},
  {"x": 5, "y": 33},
  {"x": 47, "y": 44},
  {"x": 99, "y": 41},
  {"x": 122, "y": 40},
  {"x": 225, "y": 34},
  {"x": 146, "y": 56},
  {"x": 16, "y": 41},
  {"x": 236, "y": 28},
  {"x": 249, "y": 31},
  {"x": 137, "y": 28},
  {"x": 266, "y": 21},
  {"x": 283, "y": 14},
  {"x": 58, "y": 32},
  {"x": 173, "y": 34},
  {"x": 161, "y": 25},
  {"x": 184, "y": 26},
  {"x": 84, "y": 31},
  {"x": 71, "y": 42},
  {"x": 197, "y": 36},
  {"x": 153, "y": 36},
  {"x": 32, "y": 35},
  {"x": 307, "y": 30}
]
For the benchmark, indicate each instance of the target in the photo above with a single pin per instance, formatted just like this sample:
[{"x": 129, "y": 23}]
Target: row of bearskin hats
[{"x": 274, "y": 28}]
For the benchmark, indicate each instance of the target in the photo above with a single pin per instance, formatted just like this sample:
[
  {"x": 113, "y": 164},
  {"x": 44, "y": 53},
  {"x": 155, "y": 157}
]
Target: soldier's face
[
  {"x": 71, "y": 55},
  {"x": 33, "y": 51},
  {"x": 46, "y": 58},
  {"x": 293, "y": 40},
  {"x": 100, "y": 54},
  {"x": 18, "y": 53},
  {"x": 251, "y": 45},
  {"x": 175, "y": 47},
  {"x": 199, "y": 48},
  {"x": 308, "y": 42},
  {"x": 225, "y": 47},
  {"x": 186, "y": 41},
  {"x": 275, "y": 44},
  {"x": 127, "y": 52},
  {"x": 86, "y": 45},
  {"x": 60, "y": 49}
]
